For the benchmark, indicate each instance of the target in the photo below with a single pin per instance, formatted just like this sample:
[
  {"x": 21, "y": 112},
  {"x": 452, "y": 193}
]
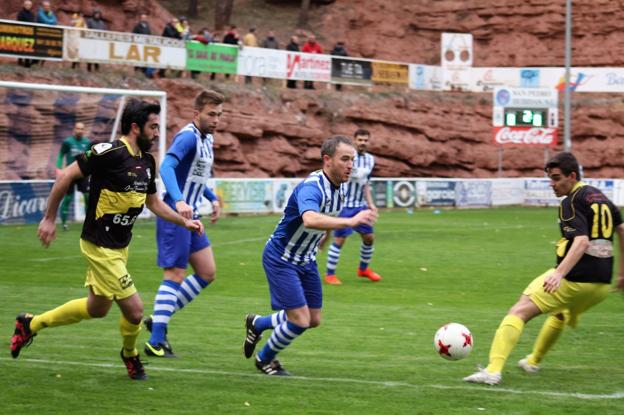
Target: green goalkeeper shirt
[{"x": 70, "y": 149}]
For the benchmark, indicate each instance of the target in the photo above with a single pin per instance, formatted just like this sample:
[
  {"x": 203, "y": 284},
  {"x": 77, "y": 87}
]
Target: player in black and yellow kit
[
  {"x": 582, "y": 278},
  {"x": 122, "y": 181}
]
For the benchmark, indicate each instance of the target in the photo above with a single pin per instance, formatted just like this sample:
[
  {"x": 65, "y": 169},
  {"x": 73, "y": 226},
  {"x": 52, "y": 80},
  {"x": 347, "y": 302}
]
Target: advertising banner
[
  {"x": 525, "y": 136},
  {"x": 456, "y": 58},
  {"x": 472, "y": 193},
  {"x": 380, "y": 190},
  {"x": 403, "y": 193},
  {"x": 351, "y": 71},
  {"x": 435, "y": 192},
  {"x": 282, "y": 189},
  {"x": 390, "y": 73},
  {"x": 425, "y": 77},
  {"x": 31, "y": 40},
  {"x": 23, "y": 201},
  {"x": 486, "y": 79},
  {"x": 252, "y": 196},
  {"x": 537, "y": 192},
  {"x": 261, "y": 62},
  {"x": 308, "y": 66},
  {"x": 213, "y": 57},
  {"x": 507, "y": 192},
  {"x": 124, "y": 48}
]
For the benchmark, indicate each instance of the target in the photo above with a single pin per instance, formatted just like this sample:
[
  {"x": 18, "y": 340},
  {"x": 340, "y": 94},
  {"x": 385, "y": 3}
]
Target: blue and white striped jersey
[
  {"x": 360, "y": 176},
  {"x": 196, "y": 157},
  {"x": 291, "y": 240}
]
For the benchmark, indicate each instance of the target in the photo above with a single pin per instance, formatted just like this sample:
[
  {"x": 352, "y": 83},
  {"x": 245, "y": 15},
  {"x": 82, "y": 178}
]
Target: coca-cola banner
[
  {"x": 525, "y": 136},
  {"x": 24, "y": 201}
]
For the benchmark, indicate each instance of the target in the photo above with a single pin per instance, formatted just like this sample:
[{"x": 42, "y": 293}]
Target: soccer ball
[{"x": 453, "y": 341}]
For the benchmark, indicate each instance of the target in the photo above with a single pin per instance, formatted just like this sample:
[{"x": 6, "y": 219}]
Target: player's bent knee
[
  {"x": 314, "y": 323},
  {"x": 97, "y": 313}
]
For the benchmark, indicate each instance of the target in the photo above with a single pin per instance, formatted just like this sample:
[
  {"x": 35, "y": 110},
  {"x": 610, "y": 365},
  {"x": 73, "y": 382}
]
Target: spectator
[
  {"x": 311, "y": 46},
  {"x": 143, "y": 28},
  {"x": 293, "y": 46},
  {"x": 26, "y": 15},
  {"x": 231, "y": 38},
  {"x": 339, "y": 50},
  {"x": 97, "y": 23},
  {"x": 46, "y": 15},
  {"x": 250, "y": 40},
  {"x": 171, "y": 31},
  {"x": 270, "y": 42},
  {"x": 184, "y": 28},
  {"x": 77, "y": 21}
]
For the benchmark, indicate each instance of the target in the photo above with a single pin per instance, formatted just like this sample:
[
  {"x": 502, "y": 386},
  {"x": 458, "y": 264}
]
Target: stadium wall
[{"x": 25, "y": 201}]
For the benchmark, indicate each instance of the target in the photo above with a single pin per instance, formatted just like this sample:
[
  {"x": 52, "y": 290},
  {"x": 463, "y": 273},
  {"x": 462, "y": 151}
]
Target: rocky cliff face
[{"x": 273, "y": 131}]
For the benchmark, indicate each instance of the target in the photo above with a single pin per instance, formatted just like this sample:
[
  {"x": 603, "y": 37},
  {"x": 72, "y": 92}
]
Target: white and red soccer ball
[{"x": 453, "y": 341}]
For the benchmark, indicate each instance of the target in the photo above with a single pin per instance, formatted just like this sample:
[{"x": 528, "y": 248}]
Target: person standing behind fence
[
  {"x": 251, "y": 41},
  {"x": 143, "y": 28},
  {"x": 77, "y": 21},
  {"x": 339, "y": 50},
  {"x": 46, "y": 15},
  {"x": 231, "y": 38},
  {"x": 293, "y": 46},
  {"x": 97, "y": 23},
  {"x": 170, "y": 31},
  {"x": 311, "y": 46},
  {"x": 26, "y": 15}
]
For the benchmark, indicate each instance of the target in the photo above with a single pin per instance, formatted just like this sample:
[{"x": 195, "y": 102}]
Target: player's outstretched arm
[
  {"x": 47, "y": 226},
  {"x": 162, "y": 210},
  {"x": 619, "y": 284},
  {"x": 316, "y": 220}
]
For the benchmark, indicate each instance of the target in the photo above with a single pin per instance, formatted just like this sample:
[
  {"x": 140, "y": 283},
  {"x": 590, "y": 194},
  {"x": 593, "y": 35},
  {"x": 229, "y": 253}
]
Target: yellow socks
[
  {"x": 69, "y": 313},
  {"x": 504, "y": 341},
  {"x": 129, "y": 332},
  {"x": 547, "y": 337}
]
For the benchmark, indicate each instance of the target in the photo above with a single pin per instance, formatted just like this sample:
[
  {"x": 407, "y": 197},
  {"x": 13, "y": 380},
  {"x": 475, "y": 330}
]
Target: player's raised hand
[
  {"x": 194, "y": 225},
  {"x": 365, "y": 217},
  {"x": 46, "y": 232},
  {"x": 184, "y": 209}
]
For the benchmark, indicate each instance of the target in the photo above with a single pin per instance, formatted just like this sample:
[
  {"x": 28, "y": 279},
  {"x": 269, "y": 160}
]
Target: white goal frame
[{"x": 160, "y": 95}]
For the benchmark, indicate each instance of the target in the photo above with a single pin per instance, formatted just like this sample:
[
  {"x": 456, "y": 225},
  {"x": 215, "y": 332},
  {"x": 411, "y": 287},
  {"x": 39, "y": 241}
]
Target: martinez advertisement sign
[
  {"x": 30, "y": 40},
  {"x": 308, "y": 66},
  {"x": 351, "y": 71},
  {"x": 213, "y": 57}
]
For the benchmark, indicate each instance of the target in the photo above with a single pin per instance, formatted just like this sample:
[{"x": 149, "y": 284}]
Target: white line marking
[{"x": 585, "y": 396}]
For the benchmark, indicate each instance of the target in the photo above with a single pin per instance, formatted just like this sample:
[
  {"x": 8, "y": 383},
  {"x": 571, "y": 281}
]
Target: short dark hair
[
  {"x": 566, "y": 162},
  {"x": 361, "y": 131},
  {"x": 331, "y": 144},
  {"x": 137, "y": 112},
  {"x": 208, "y": 96}
]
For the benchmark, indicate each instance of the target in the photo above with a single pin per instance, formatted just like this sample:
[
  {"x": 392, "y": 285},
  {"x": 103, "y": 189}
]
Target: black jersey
[
  {"x": 120, "y": 182},
  {"x": 587, "y": 211}
]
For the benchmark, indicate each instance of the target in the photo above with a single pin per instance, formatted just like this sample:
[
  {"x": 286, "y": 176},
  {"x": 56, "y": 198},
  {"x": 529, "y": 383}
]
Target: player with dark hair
[
  {"x": 71, "y": 148},
  {"x": 588, "y": 220},
  {"x": 358, "y": 198},
  {"x": 185, "y": 171},
  {"x": 289, "y": 257},
  {"x": 122, "y": 182}
]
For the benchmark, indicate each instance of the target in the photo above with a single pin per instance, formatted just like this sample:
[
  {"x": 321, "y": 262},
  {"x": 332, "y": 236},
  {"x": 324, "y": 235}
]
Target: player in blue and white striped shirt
[
  {"x": 289, "y": 257},
  {"x": 358, "y": 198},
  {"x": 184, "y": 172}
]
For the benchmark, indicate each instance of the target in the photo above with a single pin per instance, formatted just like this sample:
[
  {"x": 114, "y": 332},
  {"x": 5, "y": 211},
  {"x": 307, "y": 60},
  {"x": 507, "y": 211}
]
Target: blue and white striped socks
[
  {"x": 281, "y": 337},
  {"x": 366, "y": 254},
  {"x": 269, "y": 322},
  {"x": 170, "y": 298},
  {"x": 333, "y": 256}
]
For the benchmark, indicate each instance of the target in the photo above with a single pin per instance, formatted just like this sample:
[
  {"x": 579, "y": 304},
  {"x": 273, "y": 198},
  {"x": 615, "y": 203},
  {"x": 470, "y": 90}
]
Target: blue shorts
[
  {"x": 176, "y": 244},
  {"x": 291, "y": 286},
  {"x": 349, "y": 213}
]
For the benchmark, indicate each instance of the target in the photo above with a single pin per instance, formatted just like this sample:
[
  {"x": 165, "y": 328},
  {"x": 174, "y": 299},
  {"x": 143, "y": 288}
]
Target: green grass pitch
[{"x": 372, "y": 354}]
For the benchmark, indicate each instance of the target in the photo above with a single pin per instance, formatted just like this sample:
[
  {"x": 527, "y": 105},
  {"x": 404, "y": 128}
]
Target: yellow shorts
[
  {"x": 571, "y": 298},
  {"x": 106, "y": 271}
]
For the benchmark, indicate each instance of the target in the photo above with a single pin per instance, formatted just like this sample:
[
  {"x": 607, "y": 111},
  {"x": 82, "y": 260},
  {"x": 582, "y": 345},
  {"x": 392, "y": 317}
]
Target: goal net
[{"x": 36, "y": 118}]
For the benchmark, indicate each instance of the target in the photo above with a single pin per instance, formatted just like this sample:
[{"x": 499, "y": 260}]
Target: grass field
[{"x": 373, "y": 354}]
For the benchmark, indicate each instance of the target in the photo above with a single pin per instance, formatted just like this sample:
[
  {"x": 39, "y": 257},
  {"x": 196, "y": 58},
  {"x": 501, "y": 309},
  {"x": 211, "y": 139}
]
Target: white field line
[{"x": 390, "y": 384}]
